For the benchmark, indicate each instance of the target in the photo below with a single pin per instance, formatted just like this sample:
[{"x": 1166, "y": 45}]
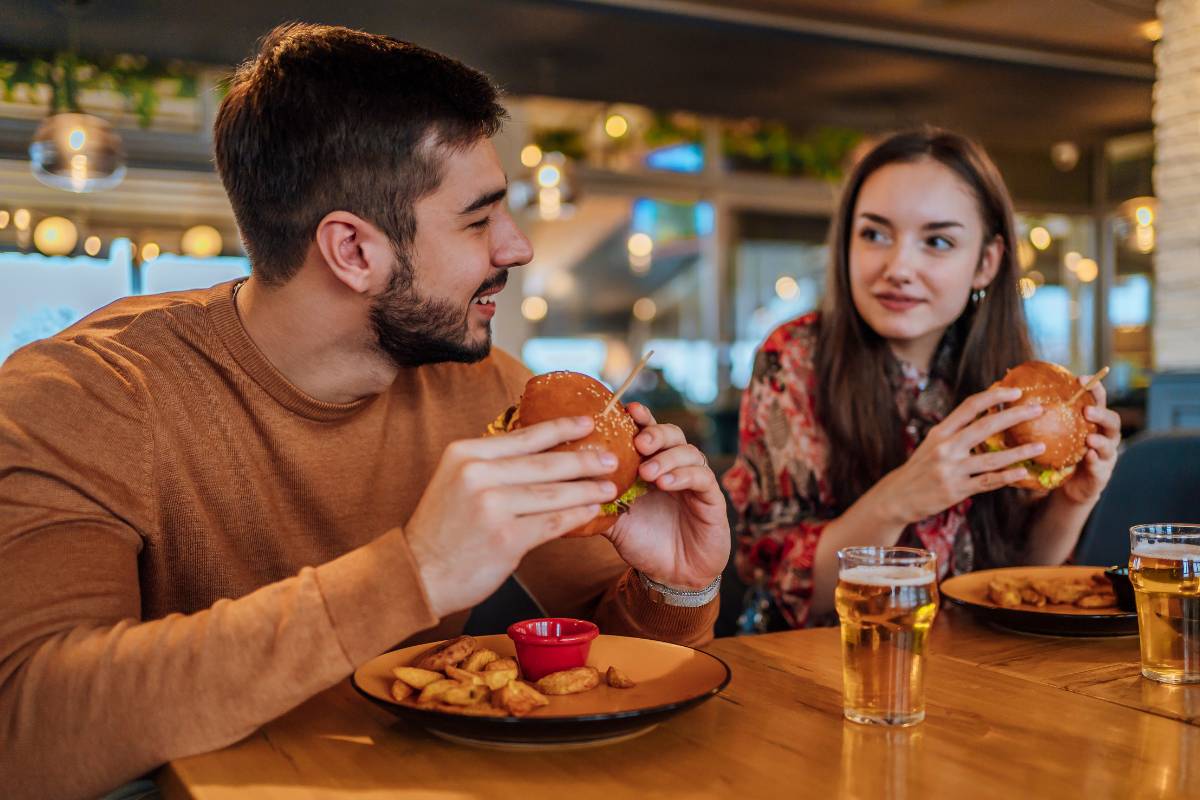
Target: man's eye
[{"x": 481, "y": 224}]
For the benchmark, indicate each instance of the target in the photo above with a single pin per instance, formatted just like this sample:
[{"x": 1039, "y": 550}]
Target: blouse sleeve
[{"x": 777, "y": 483}]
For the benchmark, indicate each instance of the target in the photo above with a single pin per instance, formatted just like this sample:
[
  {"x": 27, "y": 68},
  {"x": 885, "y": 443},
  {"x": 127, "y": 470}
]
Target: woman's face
[{"x": 915, "y": 245}]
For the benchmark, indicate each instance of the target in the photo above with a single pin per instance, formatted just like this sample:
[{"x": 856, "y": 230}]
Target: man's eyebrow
[{"x": 485, "y": 200}]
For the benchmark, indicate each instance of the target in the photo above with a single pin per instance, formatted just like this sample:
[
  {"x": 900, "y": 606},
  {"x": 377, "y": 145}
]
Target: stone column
[{"x": 1177, "y": 185}]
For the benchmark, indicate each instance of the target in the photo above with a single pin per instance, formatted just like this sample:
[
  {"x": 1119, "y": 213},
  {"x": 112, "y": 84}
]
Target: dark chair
[{"x": 1157, "y": 479}]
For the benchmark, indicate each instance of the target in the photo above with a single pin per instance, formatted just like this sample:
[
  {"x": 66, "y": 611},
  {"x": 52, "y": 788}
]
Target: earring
[{"x": 977, "y": 296}]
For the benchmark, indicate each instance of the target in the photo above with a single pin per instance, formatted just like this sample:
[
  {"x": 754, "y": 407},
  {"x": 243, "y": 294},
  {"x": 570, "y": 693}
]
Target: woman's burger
[
  {"x": 572, "y": 394},
  {"x": 1061, "y": 427}
]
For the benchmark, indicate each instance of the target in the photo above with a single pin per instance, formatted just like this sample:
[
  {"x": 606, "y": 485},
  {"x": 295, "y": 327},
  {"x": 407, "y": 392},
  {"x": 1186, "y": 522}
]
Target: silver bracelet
[{"x": 681, "y": 598}]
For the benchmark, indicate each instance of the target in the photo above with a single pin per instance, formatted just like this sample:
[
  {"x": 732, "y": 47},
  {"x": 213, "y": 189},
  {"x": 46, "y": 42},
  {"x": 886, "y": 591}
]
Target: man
[{"x": 215, "y": 504}]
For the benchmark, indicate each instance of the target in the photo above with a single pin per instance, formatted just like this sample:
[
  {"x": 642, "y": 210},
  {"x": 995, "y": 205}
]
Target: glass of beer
[
  {"x": 886, "y": 600},
  {"x": 1164, "y": 567}
]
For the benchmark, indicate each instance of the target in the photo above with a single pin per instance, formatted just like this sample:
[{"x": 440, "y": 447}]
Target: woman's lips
[{"x": 897, "y": 302}]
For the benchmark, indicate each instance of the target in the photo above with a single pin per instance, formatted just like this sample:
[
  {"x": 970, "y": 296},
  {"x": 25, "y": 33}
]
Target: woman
[{"x": 860, "y": 423}]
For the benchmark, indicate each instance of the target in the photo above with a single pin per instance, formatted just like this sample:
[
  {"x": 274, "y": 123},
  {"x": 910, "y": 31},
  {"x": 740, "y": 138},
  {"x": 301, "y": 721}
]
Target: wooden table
[{"x": 1008, "y": 716}]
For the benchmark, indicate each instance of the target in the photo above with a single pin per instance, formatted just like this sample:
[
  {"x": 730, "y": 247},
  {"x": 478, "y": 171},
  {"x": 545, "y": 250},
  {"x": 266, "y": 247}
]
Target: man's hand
[
  {"x": 492, "y": 500},
  {"x": 678, "y": 535}
]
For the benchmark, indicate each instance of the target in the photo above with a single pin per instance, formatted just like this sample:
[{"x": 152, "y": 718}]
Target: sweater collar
[{"x": 223, "y": 314}]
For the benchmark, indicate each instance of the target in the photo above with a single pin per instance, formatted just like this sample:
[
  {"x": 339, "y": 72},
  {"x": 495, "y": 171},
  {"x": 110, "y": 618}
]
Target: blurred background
[{"x": 675, "y": 163}]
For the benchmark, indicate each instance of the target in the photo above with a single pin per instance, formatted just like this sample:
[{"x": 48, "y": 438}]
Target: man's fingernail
[
  {"x": 608, "y": 459},
  {"x": 581, "y": 421},
  {"x": 609, "y": 487},
  {"x": 666, "y": 480},
  {"x": 651, "y": 470}
]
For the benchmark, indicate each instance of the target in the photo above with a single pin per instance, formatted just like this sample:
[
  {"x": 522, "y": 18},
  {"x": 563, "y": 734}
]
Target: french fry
[
  {"x": 465, "y": 676},
  {"x": 502, "y": 663},
  {"x": 480, "y": 659},
  {"x": 417, "y": 678},
  {"x": 569, "y": 681},
  {"x": 618, "y": 679},
  {"x": 519, "y": 698},
  {"x": 465, "y": 695},
  {"x": 1032, "y": 597},
  {"x": 1100, "y": 600},
  {"x": 401, "y": 691},
  {"x": 435, "y": 690},
  {"x": 498, "y": 678},
  {"x": 447, "y": 653}
]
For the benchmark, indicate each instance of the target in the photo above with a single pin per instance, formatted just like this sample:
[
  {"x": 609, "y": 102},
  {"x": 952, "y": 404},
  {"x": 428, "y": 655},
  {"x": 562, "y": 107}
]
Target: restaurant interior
[{"x": 676, "y": 165}]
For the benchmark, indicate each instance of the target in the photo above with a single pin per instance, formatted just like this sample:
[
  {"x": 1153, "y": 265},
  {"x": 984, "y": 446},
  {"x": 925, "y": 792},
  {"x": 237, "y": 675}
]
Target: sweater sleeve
[
  {"x": 775, "y": 484},
  {"x": 91, "y": 694}
]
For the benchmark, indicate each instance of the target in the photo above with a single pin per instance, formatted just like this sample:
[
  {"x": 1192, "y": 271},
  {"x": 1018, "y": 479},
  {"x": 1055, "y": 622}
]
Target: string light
[
  {"x": 91, "y": 245},
  {"x": 786, "y": 287},
  {"x": 531, "y": 155},
  {"x": 616, "y": 126},
  {"x": 534, "y": 308},
  {"x": 1040, "y": 237},
  {"x": 644, "y": 309}
]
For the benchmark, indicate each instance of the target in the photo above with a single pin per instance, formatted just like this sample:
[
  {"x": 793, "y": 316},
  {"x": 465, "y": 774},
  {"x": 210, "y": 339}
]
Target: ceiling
[{"x": 1017, "y": 72}]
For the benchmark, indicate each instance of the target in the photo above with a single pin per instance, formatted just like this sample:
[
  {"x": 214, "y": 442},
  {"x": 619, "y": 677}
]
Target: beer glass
[
  {"x": 1164, "y": 567},
  {"x": 886, "y": 600}
]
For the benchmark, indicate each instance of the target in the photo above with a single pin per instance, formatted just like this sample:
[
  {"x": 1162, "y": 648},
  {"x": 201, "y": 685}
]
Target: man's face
[{"x": 438, "y": 306}]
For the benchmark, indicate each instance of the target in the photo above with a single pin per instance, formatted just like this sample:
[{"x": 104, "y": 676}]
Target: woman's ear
[
  {"x": 989, "y": 263},
  {"x": 356, "y": 252}
]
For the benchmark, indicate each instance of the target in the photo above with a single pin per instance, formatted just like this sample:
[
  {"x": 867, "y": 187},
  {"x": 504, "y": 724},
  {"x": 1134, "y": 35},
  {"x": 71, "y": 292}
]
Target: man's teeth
[{"x": 489, "y": 299}]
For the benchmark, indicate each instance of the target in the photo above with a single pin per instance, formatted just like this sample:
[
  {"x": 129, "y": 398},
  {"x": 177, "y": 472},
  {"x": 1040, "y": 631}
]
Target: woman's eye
[
  {"x": 939, "y": 243},
  {"x": 871, "y": 235}
]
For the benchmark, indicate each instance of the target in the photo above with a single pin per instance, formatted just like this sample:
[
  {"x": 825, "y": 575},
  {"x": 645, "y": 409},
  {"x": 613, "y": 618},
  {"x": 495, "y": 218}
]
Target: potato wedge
[
  {"x": 1101, "y": 600},
  {"x": 401, "y": 691},
  {"x": 519, "y": 698},
  {"x": 618, "y": 680},
  {"x": 479, "y": 659},
  {"x": 502, "y": 663},
  {"x": 465, "y": 676},
  {"x": 435, "y": 690},
  {"x": 465, "y": 695},
  {"x": 498, "y": 678},
  {"x": 417, "y": 678},
  {"x": 447, "y": 653},
  {"x": 569, "y": 681}
]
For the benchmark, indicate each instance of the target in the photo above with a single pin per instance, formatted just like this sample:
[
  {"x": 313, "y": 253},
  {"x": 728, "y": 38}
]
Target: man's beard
[{"x": 412, "y": 330}]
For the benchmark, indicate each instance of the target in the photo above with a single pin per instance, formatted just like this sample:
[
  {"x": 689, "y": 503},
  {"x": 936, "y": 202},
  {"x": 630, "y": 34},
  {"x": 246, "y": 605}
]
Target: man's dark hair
[{"x": 327, "y": 118}]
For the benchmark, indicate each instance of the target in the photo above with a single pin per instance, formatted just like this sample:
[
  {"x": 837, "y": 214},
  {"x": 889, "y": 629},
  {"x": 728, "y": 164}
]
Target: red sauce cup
[{"x": 551, "y": 644}]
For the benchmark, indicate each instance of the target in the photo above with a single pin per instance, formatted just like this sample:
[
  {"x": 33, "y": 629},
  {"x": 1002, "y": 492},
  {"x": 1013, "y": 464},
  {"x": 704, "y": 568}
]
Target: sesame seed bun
[
  {"x": 573, "y": 394},
  {"x": 1061, "y": 427}
]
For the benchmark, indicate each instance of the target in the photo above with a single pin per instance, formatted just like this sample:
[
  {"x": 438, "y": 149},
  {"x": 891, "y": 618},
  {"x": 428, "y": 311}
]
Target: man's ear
[
  {"x": 989, "y": 263},
  {"x": 356, "y": 252}
]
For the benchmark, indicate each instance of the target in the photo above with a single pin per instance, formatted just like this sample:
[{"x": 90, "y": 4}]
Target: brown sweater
[{"x": 190, "y": 546}]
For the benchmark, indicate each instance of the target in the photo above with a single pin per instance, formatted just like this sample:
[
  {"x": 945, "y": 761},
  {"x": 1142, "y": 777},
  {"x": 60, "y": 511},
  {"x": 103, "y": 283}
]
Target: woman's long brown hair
[{"x": 855, "y": 400}]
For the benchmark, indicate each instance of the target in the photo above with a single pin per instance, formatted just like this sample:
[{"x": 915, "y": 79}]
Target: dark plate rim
[{"x": 533, "y": 722}]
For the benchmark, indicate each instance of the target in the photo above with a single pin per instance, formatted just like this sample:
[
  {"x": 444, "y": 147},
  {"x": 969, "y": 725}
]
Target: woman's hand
[
  {"x": 944, "y": 470},
  {"x": 1092, "y": 474}
]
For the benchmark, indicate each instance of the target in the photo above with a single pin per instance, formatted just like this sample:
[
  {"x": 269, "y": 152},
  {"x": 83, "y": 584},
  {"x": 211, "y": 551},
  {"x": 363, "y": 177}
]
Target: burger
[
  {"x": 572, "y": 394},
  {"x": 1061, "y": 427}
]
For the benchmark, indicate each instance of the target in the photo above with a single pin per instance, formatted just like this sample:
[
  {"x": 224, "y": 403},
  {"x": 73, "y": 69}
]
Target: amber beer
[
  {"x": 1164, "y": 567},
  {"x": 886, "y": 600}
]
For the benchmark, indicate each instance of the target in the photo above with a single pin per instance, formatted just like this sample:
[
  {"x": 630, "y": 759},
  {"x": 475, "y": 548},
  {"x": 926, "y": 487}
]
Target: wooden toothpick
[
  {"x": 1087, "y": 387},
  {"x": 628, "y": 381}
]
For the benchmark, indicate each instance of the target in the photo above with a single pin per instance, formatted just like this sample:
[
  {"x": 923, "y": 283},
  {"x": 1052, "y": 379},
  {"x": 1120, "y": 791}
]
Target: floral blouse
[{"x": 778, "y": 483}]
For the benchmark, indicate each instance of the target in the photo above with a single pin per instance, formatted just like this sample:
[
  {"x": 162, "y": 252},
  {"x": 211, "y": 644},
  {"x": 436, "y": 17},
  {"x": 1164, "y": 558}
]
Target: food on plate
[
  {"x": 416, "y": 677},
  {"x": 479, "y": 659},
  {"x": 519, "y": 698},
  {"x": 1061, "y": 427},
  {"x": 495, "y": 690},
  {"x": 569, "y": 681},
  {"x": 1013, "y": 592},
  {"x": 562, "y": 394},
  {"x": 448, "y": 653},
  {"x": 618, "y": 679}
]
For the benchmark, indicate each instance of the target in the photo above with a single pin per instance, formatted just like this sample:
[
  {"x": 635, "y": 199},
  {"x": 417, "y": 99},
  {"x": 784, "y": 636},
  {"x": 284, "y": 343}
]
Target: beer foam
[
  {"x": 1168, "y": 551},
  {"x": 886, "y": 575}
]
